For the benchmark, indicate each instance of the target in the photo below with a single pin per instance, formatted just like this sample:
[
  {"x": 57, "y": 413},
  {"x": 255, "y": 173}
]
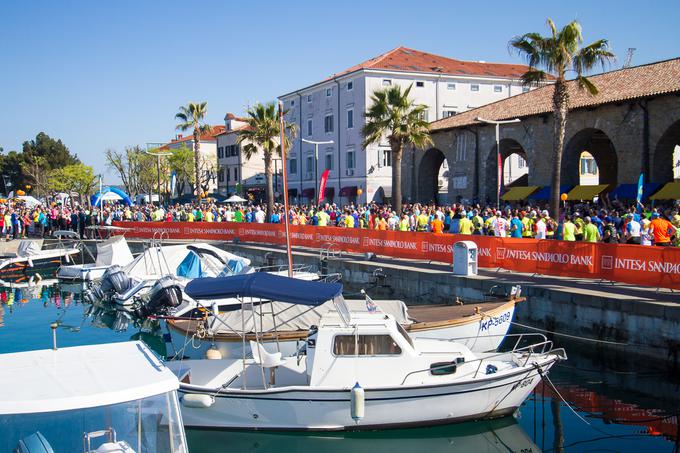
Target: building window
[
  {"x": 235, "y": 173},
  {"x": 385, "y": 158},
  {"x": 368, "y": 345},
  {"x": 386, "y": 82},
  {"x": 448, "y": 113},
  {"x": 450, "y": 86},
  {"x": 329, "y": 161},
  {"x": 220, "y": 176},
  {"x": 309, "y": 98},
  {"x": 310, "y": 166},
  {"x": 220, "y": 152},
  {"x": 459, "y": 182},
  {"x": 350, "y": 85},
  {"x": 292, "y": 103},
  {"x": 350, "y": 158},
  {"x": 328, "y": 123},
  {"x": 292, "y": 166},
  {"x": 329, "y": 91},
  {"x": 525, "y": 89},
  {"x": 420, "y": 84},
  {"x": 350, "y": 119},
  {"x": 497, "y": 89},
  {"x": 474, "y": 87},
  {"x": 310, "y": 129},
  {"x": 226, "y": 170},
  {"x": 425, "y": 115},
  {"x": 521, "y": 163},
  {"x": 461, "y": 147}
]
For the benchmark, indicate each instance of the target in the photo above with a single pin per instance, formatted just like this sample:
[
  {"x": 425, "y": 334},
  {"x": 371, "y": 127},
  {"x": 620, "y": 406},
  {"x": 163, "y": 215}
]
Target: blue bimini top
[{"x": 264, "y": 286}]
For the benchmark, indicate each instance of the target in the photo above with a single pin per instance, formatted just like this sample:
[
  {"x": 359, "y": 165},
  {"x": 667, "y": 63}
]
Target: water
[{"x": 624, "y": 403}]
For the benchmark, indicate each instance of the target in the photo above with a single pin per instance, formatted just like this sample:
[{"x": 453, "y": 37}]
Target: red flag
[
  {"x": 322, "y": 185},
  {"x": 500, "y": 176}
]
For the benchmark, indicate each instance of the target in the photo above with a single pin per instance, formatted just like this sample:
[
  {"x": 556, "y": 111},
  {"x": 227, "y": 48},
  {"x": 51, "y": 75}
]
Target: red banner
[
  {"x": 636, "y": 264},
  {"x": 322, "y": 185}
]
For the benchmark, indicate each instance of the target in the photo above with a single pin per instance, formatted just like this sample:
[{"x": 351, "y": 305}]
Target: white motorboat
[
  {"x": 357, "y": 370},
  {"x": 113, "y": 251},
  {"x": 32, "y": 261},
  {"x": 102, "y": 398},
  {"x": 481, "y": 326}
]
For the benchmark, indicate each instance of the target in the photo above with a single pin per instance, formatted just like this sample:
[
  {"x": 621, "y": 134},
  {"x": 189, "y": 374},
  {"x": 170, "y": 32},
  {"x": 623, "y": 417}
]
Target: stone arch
[
  {"x": 600, "y": 146},
  {"x": 513, "y": 175},
  {"x": 433, "y": 177},
  {"x": 663, "y": 162}
]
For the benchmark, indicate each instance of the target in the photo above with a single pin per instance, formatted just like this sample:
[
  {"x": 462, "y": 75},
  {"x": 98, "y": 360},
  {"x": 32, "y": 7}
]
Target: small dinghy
[
  {"x": 115, "y": 397},
  {"x": 33, "y": 261},
  {"x": 113, "y": 251},
  {"x": 355, "y": 371}
]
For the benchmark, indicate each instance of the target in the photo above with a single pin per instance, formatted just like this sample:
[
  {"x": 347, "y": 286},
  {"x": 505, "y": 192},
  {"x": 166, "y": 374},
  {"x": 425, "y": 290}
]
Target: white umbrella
[
  {"x": 235, "y": 199},
  {"x": 29, "y": 200}
]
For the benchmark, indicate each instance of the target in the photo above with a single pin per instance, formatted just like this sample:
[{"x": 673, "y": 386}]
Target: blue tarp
[
  {"x": 264, "y": 286},
  {"x": 629, "y": 191},
  {"x": 544, "y": 192},
  {"x": 190, "y": 267}
]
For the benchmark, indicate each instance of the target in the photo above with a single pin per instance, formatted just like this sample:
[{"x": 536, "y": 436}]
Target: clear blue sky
[{"x": 106, "y": 74}]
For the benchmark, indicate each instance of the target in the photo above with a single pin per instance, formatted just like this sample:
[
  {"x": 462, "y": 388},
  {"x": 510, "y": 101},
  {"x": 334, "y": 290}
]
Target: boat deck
[{"x": 435, "y": 313}]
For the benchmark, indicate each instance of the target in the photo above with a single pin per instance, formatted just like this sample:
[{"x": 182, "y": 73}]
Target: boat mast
[{"x": 286, "y": 219}]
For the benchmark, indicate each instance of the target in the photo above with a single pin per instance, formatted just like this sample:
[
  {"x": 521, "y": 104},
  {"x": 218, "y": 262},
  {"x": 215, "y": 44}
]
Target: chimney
[{"x": 179, "y": 136}]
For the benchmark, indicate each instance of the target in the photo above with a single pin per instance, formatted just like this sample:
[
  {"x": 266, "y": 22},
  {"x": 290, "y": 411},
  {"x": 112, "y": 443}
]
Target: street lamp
[
  {"x": 316, "y": 159},
  {"x": 158, "y": 166},
  {"x": 498, "y": 152}
]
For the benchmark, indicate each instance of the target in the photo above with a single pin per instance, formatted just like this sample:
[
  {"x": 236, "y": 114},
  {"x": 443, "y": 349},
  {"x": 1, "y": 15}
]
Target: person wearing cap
[
  {"x": 609, "y": 233},
  {"x": 662, "y": 230},
  {"x": 645, "y": 232},
  {"x": 541, "y": 227},
  {"x": 633, "y": 230},
  {"x": 590, "y": 231},
  {"x": 477, "y": 223},
  {"x": 499, "y": 225},
  {"x": 579, "y": 224},
  {"x": 550, "y": 226}
]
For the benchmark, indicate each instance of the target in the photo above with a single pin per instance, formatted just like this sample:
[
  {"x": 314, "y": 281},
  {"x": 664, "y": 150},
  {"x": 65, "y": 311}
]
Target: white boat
[
  {"x": 357, "y": 370},
  {"x": 113, "y": 251},
  {"x": 479, "y": 326},
  {"x": 32, "y": 261},
  {"x": 114, "y": 397}
]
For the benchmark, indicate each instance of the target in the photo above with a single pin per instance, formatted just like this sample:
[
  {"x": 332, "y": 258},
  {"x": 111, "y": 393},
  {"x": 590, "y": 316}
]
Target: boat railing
[
  {"x": 297, "y": 268},
  {"x": 330, "y": 250},
  {"x": 330, "y": 278},
  {"x": 542, "y": 347}
]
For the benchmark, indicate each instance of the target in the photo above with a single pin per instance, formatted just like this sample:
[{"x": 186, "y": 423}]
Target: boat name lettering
[
  {"x": 486, "y": 324},
  {"x": 523, "y": 383}
]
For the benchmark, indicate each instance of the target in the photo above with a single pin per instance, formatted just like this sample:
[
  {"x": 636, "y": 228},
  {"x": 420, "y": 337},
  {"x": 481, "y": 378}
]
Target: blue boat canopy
[{"x": 264, "y": 286}]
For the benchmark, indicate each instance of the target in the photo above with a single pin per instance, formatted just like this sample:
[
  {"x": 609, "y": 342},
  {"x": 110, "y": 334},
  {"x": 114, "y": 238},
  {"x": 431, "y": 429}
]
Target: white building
[
  {"x": 333, "y": 109},
  {"x": 208, "y": 150}
]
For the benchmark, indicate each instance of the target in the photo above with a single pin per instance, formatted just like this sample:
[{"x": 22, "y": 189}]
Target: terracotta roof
[
  {"x": 231, "y": 116},
  {"x": 616, "y": 86},
  {"x": 215, "y": 130},
  {"x": 411, "y": 60},
  {"x": 234, "y": 130}
]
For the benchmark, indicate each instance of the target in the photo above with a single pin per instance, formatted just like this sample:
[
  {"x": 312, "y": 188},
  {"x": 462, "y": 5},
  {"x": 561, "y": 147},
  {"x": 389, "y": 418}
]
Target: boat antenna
[{"x": 285, "y": 188}]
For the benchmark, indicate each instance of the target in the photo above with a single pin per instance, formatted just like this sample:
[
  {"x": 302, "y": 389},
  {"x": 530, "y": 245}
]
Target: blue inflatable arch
[{"x": 123, "y": 195}]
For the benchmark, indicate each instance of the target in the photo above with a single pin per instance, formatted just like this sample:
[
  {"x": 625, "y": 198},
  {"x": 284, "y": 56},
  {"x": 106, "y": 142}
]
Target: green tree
[
  {"x": 395, "y": 116},
  {"x": 263, "y": 132},
  {"x": 192, "y": 116},
  {"x": 55, "y": 153},
  {"x": 11, "y": 172},
  {"x": 182, "y": 163},
  {"x": 556, "y": 55},
  {"x": 135, "y": 168},
  {"x": 73, "y": 178}
]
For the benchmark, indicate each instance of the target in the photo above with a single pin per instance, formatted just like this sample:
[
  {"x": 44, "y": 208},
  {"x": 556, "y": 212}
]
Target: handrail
[{"x": 329, "y": 249}]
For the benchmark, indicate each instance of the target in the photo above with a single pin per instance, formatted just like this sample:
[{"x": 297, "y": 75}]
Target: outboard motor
[
  {"x": 164, "y": 294},
  {"x": 118, "y": 279}
]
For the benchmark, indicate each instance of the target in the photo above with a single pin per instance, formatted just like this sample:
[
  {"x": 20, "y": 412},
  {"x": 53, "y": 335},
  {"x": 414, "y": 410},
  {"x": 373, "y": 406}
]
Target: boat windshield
[
  {"x": 405, "y": 334},
  {"x": 151, "y": 424}
]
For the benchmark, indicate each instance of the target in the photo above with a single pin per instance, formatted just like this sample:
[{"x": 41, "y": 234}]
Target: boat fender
[
  {"x": 213, "y": 354},
  {"x": 198, "y": 400},
  {"x": 67, "y": 258},
  {"x": 357, "y": 403},
  {"x": 38, "y": 277},
  {"x": 30, "y": 262}
]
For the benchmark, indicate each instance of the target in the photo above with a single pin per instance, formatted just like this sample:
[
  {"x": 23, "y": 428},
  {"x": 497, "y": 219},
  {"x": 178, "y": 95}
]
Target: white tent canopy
[
  {"x": 235, "y": 199},
  {"x": 29, "y": 200},
  {"x": 110, "y": 196}
]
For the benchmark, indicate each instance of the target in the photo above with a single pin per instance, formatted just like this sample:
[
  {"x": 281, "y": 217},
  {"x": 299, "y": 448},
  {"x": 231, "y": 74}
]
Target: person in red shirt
[{"x": 662, "y": 230}]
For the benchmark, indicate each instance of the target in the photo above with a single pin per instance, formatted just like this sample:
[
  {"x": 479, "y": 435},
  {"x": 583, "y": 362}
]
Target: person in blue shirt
[
  {"x": 275, "y": 217},
  {"x": 516, "y": 227}
]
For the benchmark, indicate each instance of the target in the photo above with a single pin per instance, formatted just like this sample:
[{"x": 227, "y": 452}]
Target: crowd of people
[{"x": 583, "y": 222}]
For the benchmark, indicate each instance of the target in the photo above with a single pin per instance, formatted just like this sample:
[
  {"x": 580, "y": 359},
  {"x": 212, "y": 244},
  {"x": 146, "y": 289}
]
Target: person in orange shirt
[
  {"x": 662, "y": 230},
  {"x": 382, "y": 224},
  {"x": 437, "y": 226}
]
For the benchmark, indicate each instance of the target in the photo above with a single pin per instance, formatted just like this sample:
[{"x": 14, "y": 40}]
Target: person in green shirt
[
  {"x": 568, "y": 229},
  {"x": 238, "y": 215},
  {"x": 590, "y": 231}
]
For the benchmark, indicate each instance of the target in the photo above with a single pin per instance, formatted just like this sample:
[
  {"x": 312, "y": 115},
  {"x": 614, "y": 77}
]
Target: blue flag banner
[{"x": 639, "y": 191}]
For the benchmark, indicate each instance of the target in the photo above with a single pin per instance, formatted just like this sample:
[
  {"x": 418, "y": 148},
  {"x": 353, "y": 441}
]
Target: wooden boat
[{"x": 481, "y": 326}]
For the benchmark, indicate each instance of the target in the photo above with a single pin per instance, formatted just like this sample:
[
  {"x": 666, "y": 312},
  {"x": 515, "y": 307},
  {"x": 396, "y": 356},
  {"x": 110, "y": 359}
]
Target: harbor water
[{"x": 613, "y": 403}]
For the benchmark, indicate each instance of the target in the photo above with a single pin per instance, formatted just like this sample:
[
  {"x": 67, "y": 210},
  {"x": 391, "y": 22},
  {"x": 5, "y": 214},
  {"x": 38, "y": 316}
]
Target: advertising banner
[{"x": 636, "y": 264}]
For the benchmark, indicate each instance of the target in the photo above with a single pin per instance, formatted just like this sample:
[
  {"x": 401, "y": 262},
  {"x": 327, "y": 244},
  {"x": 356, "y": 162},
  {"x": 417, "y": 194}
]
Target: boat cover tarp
[
  {"x": 265, "y": 286},
  {"x": 28, "y": 248},
  {"x": 113, "y": 251},
  {"x": 292, "y": 317},
  {"x": 190, "y": 267}
]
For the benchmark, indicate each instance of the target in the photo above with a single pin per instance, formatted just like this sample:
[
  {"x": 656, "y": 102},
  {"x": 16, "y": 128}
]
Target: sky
[{"x": 111, "y": 74}]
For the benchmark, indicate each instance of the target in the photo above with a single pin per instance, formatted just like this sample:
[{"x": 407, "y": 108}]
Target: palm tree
[
  {"x": 263, "y": 132},
  {"x": 394, "y": 115},
  {"x": 192, "y": 117},
  {"x": 557, "y": 54}
]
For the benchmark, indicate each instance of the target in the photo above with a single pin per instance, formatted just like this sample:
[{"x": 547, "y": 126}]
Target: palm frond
[{"x": 589, "y": 86}]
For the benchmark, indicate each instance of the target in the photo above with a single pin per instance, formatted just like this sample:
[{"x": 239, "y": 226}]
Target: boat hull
[
  {"x": 22, "y": 269},
  {"x": 480, "y": 333},
  {"x": 305, "y": 409}
]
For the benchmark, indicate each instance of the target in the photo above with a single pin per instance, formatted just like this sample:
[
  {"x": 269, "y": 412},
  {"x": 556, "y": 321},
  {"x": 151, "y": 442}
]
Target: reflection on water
[{"x": 624, "y": 401}]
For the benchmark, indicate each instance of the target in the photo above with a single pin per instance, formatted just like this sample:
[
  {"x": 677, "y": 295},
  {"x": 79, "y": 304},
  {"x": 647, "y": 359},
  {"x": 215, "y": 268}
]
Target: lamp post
[
  {"x": 158, "y": 166},
  {"x": 316, "y": 159},
  {"x": 498, "y": 152}
]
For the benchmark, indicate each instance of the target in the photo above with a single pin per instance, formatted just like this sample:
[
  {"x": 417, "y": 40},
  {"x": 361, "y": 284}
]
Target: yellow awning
[
  {"x": 670, "y": 191},
  {"x": 586, "y": 192},
  {"x": 518, "y": 193}
]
